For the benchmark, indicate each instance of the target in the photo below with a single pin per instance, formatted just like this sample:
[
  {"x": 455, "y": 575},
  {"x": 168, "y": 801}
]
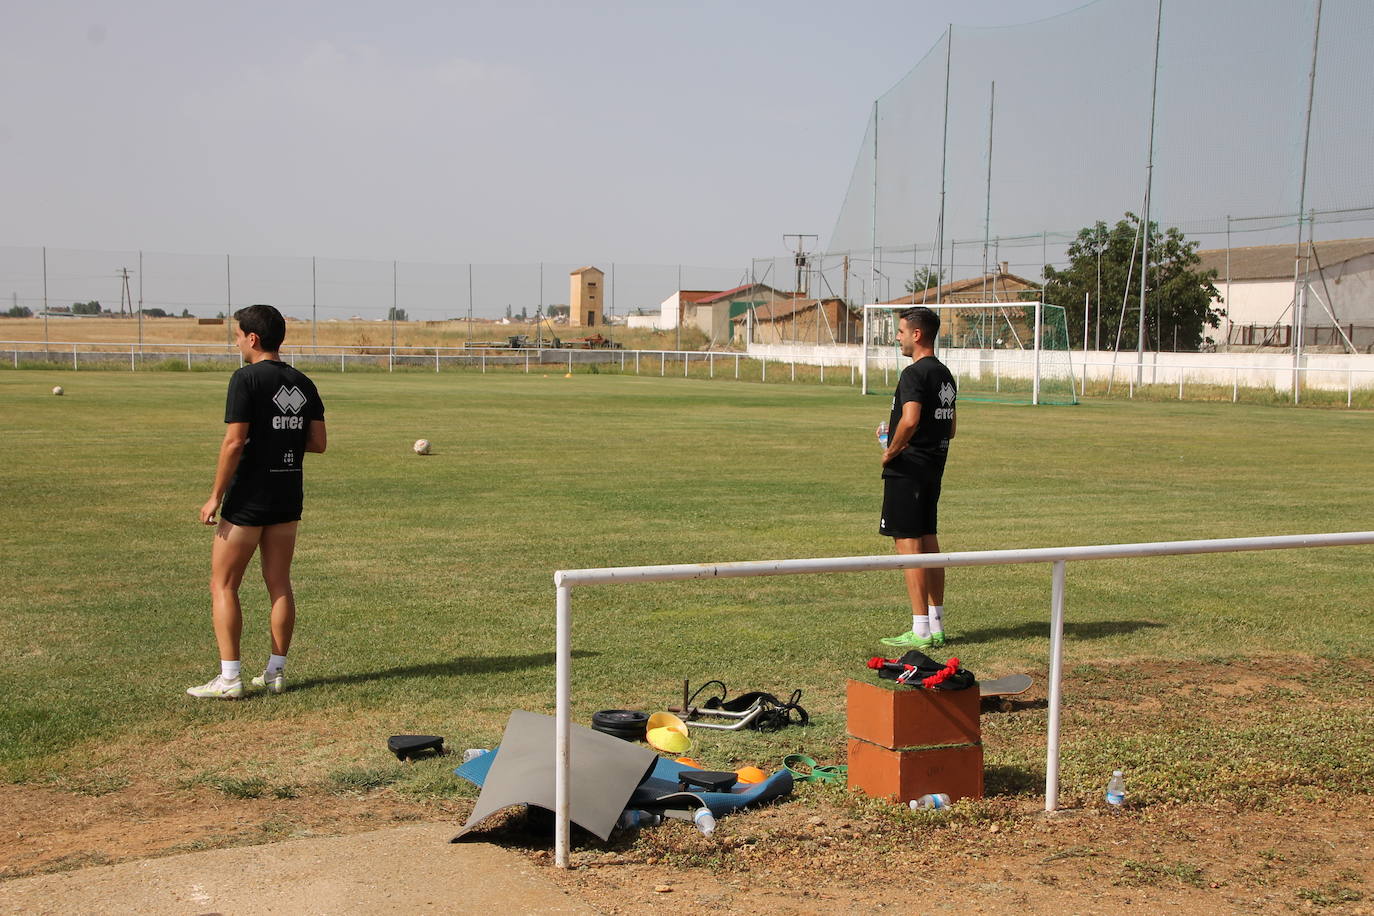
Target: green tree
[
  {"x": 1180, "y": 298},
  {"x": 156, "y": 313},
  {"x": 19, "y": 311},
  {"x": 924, "y": 278},
  {"x": 86, "y": 308},
  {"x": 395, "y": 314}
]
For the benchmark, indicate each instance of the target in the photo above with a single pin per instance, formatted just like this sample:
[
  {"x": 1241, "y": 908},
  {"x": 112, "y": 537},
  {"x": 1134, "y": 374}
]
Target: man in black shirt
[
  {"x": 273, "y": 416},
  {"x": 920, "y": 427}
]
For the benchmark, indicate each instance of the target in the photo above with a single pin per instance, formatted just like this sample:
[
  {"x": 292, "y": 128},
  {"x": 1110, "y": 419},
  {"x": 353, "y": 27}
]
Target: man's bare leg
[
  {"x": 935, "y": 575},
  {"x": 278, "y": 549},
  {"x": 917, "y": 582},
  {"x": 233, "y": 548}
]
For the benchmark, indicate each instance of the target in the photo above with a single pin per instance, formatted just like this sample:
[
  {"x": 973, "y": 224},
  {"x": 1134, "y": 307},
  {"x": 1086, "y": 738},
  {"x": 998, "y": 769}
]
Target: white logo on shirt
[
  {"x": 946, "y": 394},
  {"x": 289, "y": 400}
]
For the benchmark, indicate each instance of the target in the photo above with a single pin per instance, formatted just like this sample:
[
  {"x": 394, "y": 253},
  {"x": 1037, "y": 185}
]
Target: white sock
[
  {"x": 937, "y": 618},
  {"x": 229, "y": 670},
  {"x": 276, "y": 662},
  {"x": 920, "y": 625}
]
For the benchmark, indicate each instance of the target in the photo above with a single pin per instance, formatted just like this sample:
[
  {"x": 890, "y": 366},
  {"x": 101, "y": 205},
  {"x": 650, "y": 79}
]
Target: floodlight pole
[
  {"x": 314, "y": 302},
  {"x": 987, "y": 210},
  {"x": 1300, "y": 281},
  {"x": 873, "y": 249},
  {"x": 1145, "y": 224},
  {"x": 45, "y": 298},
  {"x": 944, "y": 160}
]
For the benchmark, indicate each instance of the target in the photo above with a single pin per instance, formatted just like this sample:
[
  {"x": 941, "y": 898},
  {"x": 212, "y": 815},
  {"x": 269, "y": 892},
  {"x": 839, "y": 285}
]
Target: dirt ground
[
  {"x": 812, "y": 854},
  {"x": 819, "y": 851}
]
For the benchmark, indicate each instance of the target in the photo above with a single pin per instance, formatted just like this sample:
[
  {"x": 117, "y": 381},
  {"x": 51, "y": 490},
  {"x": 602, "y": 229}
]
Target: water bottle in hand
[
  {"x": 882, "y": 434},
  {"x": 1116, "y": 789}
]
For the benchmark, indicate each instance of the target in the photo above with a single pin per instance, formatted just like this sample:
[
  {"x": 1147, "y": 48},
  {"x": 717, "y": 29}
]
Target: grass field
[{"x": 426, "y": 596}]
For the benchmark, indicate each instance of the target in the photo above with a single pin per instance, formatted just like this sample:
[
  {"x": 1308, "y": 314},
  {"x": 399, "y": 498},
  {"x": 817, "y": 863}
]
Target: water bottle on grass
[
  {"x": 705, "y": 821},
  {"x": 1116, "y": 789},
  {"x": 634, "y": 819},
  {"x": 933, "y": 802}
]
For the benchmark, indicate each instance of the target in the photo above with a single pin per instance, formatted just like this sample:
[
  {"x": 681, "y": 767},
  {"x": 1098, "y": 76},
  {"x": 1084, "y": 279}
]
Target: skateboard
[{"x": 1004, "y": 688}]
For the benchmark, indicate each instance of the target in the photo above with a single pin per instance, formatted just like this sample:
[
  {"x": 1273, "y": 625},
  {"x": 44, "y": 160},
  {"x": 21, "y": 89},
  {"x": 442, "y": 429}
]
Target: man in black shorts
[
  {"x": 920, "y": 427},
  {"x": 274, "y": 416}
]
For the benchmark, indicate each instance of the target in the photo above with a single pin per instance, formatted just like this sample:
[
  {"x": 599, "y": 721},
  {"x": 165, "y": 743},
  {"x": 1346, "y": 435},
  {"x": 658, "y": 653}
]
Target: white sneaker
[
  {"x": 274, "y": 681},
  {"x": 218, "y": 689}
]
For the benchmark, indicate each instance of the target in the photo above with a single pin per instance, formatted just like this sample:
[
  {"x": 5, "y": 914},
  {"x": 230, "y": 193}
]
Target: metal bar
[
  {"x": 562, "y": 729},
  {"x": 666, "y": 573},
  {"x": 1056, "y": 672}
]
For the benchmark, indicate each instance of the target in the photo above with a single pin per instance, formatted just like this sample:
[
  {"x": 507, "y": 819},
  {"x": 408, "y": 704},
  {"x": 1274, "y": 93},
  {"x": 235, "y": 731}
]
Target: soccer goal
[{"x": 1009, "y": 352}]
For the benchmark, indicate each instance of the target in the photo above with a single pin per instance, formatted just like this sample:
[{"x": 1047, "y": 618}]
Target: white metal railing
[
  {"x": 976, "y": 369},
  {"x": 1059, "y": 557}
]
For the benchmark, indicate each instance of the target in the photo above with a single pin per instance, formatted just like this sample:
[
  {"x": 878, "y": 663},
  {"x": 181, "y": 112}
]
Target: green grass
[{"x": 427, "y": 603}]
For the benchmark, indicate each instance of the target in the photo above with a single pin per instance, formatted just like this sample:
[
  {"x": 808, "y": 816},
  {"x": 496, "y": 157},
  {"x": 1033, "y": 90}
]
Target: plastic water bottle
[
  {"x": 1116, "y": 789},
  {"x": 473, "y": 753},
  {"x": 633, "y": 819},
  {"x": 930, "y": 802},
  {"x": 882, "y": 434},
  {"x": 705, "y": 821}
]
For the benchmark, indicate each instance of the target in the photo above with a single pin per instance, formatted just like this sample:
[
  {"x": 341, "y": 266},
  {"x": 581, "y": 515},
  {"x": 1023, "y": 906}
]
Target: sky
[{"x": 448, "y": 133}]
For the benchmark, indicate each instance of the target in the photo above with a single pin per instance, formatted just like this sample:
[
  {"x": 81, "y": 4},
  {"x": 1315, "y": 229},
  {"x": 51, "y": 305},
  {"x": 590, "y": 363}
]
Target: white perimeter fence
[
  {"x": 566, "y": 580},
  {"x": 72, "y": 355},
  {"x": 976, "y": 370}
]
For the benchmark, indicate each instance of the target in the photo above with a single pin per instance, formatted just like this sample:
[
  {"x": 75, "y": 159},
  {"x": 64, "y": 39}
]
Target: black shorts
[
  {"x": 909, "y": 505},
  {"x": 255, "y": 517}
]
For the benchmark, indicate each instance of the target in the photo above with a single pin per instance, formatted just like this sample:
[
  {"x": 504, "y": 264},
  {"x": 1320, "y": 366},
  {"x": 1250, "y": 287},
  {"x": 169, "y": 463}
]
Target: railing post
[
  {"x": 1056, "y": 672},
  {"x": 562, "y": 728}
]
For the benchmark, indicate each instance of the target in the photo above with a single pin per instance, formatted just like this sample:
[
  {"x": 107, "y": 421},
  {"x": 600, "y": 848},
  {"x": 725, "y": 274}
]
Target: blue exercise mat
[{"x": 660, "y": 790}]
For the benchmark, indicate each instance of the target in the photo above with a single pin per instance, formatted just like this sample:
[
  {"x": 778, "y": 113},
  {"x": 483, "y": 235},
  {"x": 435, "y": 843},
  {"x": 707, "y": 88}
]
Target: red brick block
[
  {"x": 898, "y": 716},
  {"x": 901, "y": 775}
]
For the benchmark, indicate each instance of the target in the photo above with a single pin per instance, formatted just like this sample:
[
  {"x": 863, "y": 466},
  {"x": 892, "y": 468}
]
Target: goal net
[{"x": 1009, "y": 352}]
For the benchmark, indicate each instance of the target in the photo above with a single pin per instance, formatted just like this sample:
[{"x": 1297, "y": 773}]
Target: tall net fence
[{"x": 1048, "y": 131}]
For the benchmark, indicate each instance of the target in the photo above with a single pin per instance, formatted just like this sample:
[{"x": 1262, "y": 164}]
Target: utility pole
[
  {"x": 1145, "y": 220},
  {"x": 801, "y": 259}
]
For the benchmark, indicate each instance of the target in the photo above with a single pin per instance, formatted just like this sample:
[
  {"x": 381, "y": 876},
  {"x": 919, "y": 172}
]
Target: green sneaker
[
  {"x": 908, "y": 640},
  {"x": 937, "y": 640},
  {"x": 218, "y": 689}
]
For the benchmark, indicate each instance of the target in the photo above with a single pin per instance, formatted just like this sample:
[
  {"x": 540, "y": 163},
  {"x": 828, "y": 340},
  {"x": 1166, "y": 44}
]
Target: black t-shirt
[
  {"x": 930, "y": 383},
  {"x": 277, "y": 402}
]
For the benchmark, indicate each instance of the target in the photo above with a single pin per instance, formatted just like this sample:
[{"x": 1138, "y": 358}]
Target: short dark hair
[
  {"x": 925, "y": 319},
  {"x": 264, "y": 321}
]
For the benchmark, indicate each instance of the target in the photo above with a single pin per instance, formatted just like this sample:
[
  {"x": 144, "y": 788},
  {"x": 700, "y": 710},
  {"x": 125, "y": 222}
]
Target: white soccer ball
[
  {"x": 421, "y": 446},
  {"x": 57, "y": 389}
]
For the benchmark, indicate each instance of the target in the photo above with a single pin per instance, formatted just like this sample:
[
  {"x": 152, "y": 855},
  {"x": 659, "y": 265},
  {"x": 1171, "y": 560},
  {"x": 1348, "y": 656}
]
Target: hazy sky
[{"x": 645, "y": 133}]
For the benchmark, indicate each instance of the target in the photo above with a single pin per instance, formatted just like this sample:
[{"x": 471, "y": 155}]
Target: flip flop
[{"x": 813, "y": 772}]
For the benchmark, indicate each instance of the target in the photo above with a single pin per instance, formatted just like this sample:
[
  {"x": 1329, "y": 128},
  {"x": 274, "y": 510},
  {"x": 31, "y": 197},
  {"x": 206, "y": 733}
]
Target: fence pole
[
  {"x": 686, "y": 361},
  {"x": 131, "y": 359},
  {"x": 736, "y": 365},
  {"x": 341, "y": 360},
  {"x": 1056, "y": 670},
  {"x": 436, "y": 359},
  {"x": 662, "y": 363},
  {"x": 1235, "y": 383},
  {"x": 1180, "y": 383},
  {"x": 73, "y": 357},
  {"x": 562, "y": 730},
  {"x": 711, "y": 364}
]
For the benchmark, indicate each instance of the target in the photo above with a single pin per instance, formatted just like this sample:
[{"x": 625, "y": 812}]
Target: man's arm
[
  {"x": 315, "y": 438},
  {"x": 230, "y": 451},
  {"x": 906, "y": 428}
]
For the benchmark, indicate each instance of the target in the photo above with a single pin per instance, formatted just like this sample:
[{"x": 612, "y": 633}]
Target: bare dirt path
[{"x": 411, "y": 869}]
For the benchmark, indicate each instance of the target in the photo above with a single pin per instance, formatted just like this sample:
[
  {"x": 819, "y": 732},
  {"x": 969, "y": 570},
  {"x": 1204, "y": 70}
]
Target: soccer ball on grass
[{"x": 421, "y": 446}]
